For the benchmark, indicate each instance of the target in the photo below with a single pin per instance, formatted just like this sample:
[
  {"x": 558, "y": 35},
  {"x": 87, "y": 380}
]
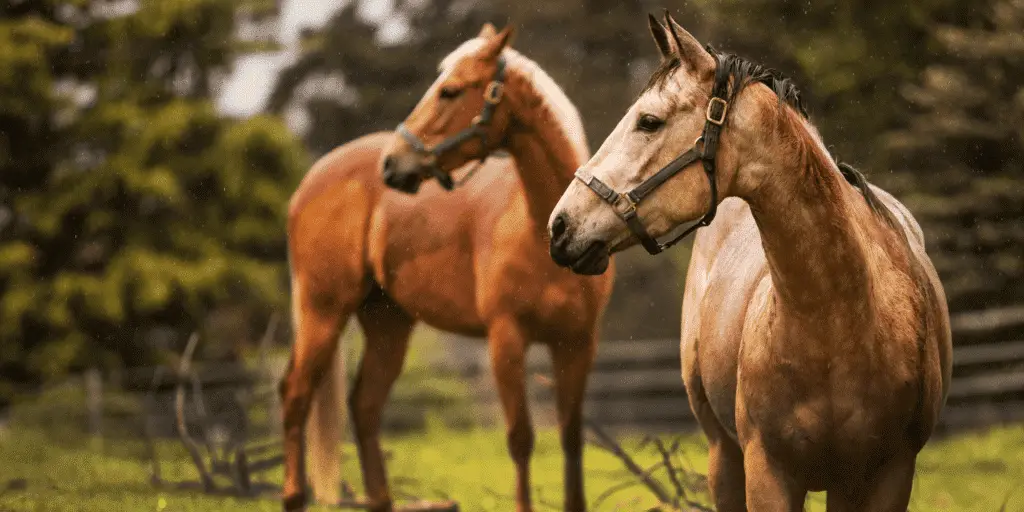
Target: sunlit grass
[{"x": 971, "y": 473}]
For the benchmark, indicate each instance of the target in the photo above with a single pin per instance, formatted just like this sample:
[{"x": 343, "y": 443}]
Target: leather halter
[
  {"x": 492, "y": 96},
  {"x": 625, "y": 203}
]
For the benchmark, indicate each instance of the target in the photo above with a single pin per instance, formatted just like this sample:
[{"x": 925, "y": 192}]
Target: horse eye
[
  {"x": 649, "y": 123},
  {"x": 450, "y": 93}
]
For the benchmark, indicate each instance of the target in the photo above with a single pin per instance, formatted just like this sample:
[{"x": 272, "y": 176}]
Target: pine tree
[
  {"x": 131, "y": 206},
  {"x": 849, "y": 58},
  {"x": 29, "y": 107},
  {"x": 963, "y": 155}
]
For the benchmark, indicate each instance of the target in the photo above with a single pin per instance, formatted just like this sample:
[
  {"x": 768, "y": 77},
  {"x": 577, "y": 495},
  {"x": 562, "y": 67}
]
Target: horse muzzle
[
  {"x": 592, "y": 260},
  {"x": 398, "y": 175}
]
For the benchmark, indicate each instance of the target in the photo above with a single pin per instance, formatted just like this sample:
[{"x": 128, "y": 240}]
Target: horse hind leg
[
  {"x": 507, "y": 346},
  {"x": 387, "y": 329},
  {"x": 571, "y": 364},
  {"x": 317, "y": 323}
]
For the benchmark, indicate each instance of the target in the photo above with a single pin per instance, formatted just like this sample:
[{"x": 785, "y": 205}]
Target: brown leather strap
[
  {"x": 704, "y": 149},
  {"x": 492, "y": 96}
]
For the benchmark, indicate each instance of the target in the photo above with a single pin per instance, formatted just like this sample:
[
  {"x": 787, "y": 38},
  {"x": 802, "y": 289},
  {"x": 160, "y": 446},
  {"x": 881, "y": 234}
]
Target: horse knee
[{"x": 520, "y": 442}]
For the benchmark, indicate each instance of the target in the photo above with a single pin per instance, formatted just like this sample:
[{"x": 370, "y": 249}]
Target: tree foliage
[
  {"x": 127, "y": 205},
  {"x": 922, "y": 96},
  {"x": 963, "y": 152}
]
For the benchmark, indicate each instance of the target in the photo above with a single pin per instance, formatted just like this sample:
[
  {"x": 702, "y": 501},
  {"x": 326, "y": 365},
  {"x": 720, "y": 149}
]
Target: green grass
[{"x": 971, "y": 473}]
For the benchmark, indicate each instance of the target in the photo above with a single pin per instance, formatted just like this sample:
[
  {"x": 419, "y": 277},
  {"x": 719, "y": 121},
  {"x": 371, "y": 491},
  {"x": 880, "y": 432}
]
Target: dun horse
[
  {"x": 815, "y": 334},
  {"x": 472, "y": 261}
]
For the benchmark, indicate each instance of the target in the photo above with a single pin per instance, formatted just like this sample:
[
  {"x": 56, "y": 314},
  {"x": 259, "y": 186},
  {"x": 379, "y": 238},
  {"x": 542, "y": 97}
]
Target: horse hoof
[{"x": 294, "y": 502}]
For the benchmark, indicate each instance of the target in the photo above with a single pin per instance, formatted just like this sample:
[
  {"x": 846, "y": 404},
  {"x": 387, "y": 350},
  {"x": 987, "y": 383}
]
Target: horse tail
[{"x": 323, "y": 430}]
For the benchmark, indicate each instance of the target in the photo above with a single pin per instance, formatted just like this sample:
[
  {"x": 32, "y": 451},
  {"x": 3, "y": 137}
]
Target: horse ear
[
  {"x": 690, "y": 51},
  {"x": 488, "y": 31},
  {"x": 661, "y": 37},
  {"x": 493, "y": 47}
]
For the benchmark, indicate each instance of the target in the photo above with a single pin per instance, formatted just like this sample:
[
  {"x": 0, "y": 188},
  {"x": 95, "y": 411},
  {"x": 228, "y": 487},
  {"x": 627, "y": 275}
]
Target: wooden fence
[{"x": 636, "y": 385}]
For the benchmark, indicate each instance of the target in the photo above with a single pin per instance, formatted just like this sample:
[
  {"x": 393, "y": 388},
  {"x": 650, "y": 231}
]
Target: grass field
[{"x": 39, "y": 472}]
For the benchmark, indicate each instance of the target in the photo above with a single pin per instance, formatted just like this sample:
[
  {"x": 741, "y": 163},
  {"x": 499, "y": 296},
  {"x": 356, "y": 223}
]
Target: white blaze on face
[{"x": 625, "y": 159}]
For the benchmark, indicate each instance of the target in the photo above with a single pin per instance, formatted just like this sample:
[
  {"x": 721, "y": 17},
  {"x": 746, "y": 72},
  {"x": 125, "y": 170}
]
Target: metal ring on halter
[
  {"x": 699, "y": 141},
  {"x": 703, "y": 150}
]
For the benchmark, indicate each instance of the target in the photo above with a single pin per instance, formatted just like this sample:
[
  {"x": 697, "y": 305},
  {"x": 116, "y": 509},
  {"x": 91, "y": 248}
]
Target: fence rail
[{"x": 637, "y": 385}]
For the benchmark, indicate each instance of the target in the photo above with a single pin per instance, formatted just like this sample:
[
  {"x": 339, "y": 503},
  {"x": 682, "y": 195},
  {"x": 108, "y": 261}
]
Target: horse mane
[{"x": 744, "y": 72}]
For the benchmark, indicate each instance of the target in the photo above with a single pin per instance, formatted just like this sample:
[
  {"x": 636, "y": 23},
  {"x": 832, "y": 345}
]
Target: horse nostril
[{"x": 558, "y": 227}]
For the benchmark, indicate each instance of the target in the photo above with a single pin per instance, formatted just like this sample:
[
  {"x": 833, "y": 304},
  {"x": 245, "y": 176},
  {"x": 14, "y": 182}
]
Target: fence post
[{"x": 94, "y": 401}]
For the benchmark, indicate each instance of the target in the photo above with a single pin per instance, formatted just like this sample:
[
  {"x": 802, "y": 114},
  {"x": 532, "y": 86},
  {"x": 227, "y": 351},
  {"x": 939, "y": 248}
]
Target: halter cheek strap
[
  {"x": 478, "y": 128},
  {"x": 704, "y": 149}
]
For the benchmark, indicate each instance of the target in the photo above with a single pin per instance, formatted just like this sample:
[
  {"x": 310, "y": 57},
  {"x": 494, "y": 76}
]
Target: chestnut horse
[
  {"x": 472, "y": 261},
  {"x": 815, "y": 333}
]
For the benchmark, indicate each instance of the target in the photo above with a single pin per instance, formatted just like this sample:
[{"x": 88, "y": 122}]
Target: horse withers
[
  {"x": 815, "y": 332},
  {"x": 473, "y": 261}
]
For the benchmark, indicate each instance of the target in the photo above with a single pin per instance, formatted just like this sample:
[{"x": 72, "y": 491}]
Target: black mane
[{"x": 743, "y": 72}]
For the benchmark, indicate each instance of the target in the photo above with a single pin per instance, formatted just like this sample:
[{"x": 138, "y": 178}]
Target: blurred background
[{"x": 148, "y": 149}]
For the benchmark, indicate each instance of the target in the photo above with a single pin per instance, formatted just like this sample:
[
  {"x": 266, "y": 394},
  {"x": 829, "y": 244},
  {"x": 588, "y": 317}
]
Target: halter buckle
[
  {"x": 495, "y": 90},
  {"x": 720, "y": 120},
  {"x": 630, "y": 205}
]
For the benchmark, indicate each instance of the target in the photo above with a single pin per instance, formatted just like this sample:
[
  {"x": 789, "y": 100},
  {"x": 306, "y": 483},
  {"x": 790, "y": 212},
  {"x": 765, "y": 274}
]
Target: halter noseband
[
  {"x": 625, "y": 203},
  {"x": 492, "y": 96}
]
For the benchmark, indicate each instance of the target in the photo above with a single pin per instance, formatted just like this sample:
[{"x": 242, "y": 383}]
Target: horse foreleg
[
  {"x": 507, "y": 350},
  {"x": 888, "y": 490},
  {"x": 387, "y": 329},
  {"x": 572, "y": 363},
  {"x": 725, "y": 475},
  {"x": 769, "y": 488},
  {"x": 316, "y": 339}
]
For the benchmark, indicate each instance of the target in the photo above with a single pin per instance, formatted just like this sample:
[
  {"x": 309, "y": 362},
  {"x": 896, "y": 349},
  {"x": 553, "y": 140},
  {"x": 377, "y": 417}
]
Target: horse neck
[
  {"x": 807, "y": 216},
  {"x": 539, "y": 140}
]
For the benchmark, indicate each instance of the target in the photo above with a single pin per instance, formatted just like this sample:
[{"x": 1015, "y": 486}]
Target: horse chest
[{"x": 815, "y": 399}]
